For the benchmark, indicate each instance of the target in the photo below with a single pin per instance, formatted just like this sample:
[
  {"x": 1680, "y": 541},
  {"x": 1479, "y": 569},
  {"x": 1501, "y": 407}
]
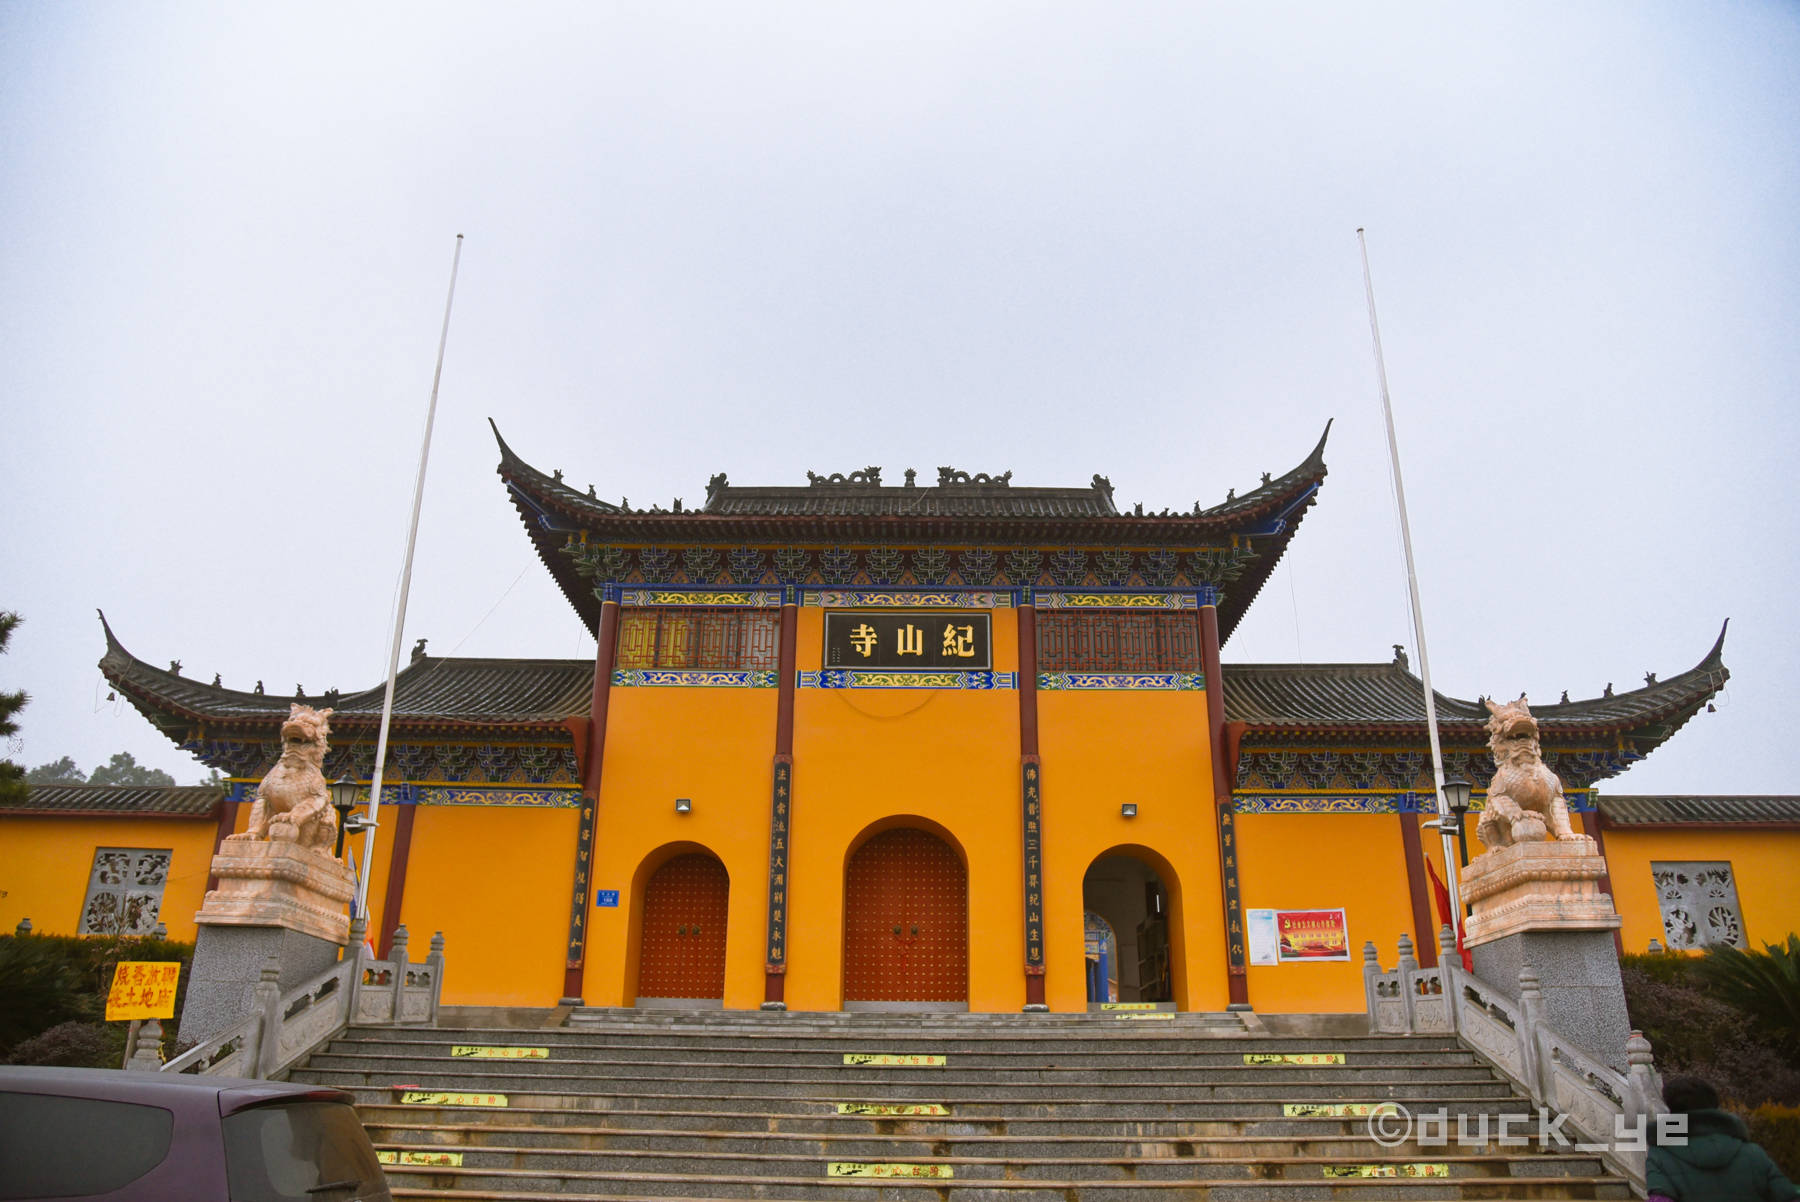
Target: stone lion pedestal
[
  {"x": 275, "y": 897},
  {"x": 1540, "y": 904}
]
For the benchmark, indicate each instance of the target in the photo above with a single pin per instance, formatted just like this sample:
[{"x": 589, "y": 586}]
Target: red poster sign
[{"x": 1312, "y": 935}]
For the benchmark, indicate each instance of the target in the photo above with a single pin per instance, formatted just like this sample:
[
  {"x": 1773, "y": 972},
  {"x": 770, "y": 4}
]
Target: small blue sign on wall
[{"x": 607, "y": 897}]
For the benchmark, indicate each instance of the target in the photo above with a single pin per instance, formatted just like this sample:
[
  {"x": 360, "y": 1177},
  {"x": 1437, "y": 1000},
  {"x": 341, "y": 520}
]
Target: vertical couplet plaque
[
  {"x": 778, "y": 865},
  {"x": 1234, "y": 914},
  {"x": 578, "y": 909},
  {"x": 1034, "y": 860}
]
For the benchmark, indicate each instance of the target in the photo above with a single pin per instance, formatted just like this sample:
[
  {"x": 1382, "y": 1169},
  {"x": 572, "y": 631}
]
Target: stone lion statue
[
  {"x": 1525, "y": 802},
  {"x": 292, "y": 803}
]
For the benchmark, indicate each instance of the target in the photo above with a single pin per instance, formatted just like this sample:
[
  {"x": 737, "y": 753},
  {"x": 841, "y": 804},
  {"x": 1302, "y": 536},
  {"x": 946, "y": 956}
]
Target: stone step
[
  {"x": 1126, "y": 1036},
  {"x": 819, "y": 1115},
  {"x": 1296, "y": 1140},
  {"x": 1297, "y": 1181},
  {"x": 1408, "y": 1087},
  {"x": 1035, "y": 1056}
]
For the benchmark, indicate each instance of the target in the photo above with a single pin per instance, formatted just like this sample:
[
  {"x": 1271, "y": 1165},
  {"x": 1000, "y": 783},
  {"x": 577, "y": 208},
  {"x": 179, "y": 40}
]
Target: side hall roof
[
  {"x": 1700, "y": 811},
  {"x": 139, "y": 801},
  {"x": 1325, "y": 700}
]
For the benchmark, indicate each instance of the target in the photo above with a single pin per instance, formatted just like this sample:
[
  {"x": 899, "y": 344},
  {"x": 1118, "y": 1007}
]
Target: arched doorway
[
  {"x": 681, "y": 958},
  {"x": 1131, "y": 898},
  {"x": 906, "y": 924}
]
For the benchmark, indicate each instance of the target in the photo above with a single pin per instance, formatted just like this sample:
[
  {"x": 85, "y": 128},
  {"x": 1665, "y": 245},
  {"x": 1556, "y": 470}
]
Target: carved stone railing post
[
  {"x": 1372, "y": 985},
  {"x": 1407, "y": 966},
  {"x": 357, "y": 951},
  {"x": 268, "y": 1008},
  {"x": 401, "y": 958},
  {"x": 1450, "y": 966},
  {"x": 1531, "y": 1020},
  {"x": 436, "y": 961},
  {"x": 146, "y": 1055},
  {"x": 1643, "y": 1094}
]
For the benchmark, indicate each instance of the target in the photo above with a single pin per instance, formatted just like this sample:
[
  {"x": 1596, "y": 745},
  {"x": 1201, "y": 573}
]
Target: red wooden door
[
  {"x": 683, "y": 949},
  {"x": 906, "y": 926}
]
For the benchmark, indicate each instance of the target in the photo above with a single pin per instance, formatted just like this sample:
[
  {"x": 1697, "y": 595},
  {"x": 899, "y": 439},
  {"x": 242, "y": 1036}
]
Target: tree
[
  {"x": 125, "y": 770},
  {"x": 12, "y": 777},
  {"x": 62, "y": 772}
]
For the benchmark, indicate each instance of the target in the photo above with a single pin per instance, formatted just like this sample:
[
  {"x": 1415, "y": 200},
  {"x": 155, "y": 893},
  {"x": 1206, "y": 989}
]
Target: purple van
[{"x": 144, "y": 1137}]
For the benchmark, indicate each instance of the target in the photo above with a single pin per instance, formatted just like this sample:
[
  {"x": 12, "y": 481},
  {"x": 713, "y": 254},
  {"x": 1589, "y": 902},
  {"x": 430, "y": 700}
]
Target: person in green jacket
[{"x": 1715, "y": 1162}]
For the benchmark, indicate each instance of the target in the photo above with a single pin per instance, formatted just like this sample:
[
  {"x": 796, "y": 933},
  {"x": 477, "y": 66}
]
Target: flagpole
[
  {"x": 1412, "y": 588},
  {"x": 412, "y": 539}
]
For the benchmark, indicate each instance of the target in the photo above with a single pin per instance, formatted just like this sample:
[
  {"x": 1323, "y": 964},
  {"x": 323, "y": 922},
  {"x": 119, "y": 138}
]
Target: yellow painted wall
[
  {"x": 45, "y": 864},
  {"x": 495, "y": 880},
  {"x": 1100, "y": 749},
  {"x": 1764, "y": 863},
  {"x": 715, "y": 747},
  {"x": 947, "y": 756},
  {"x": 1355, "y": 862}
]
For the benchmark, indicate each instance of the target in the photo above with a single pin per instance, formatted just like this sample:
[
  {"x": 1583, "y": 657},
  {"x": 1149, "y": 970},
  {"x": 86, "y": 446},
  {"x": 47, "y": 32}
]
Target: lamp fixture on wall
[
  {"x": 683, "y": 805},
  {"x": 1128, "y": 809}
]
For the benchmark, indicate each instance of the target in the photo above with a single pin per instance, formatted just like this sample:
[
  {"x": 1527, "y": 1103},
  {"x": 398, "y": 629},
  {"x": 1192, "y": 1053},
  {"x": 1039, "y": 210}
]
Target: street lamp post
[
  {"x": 1456, "y": 793},
  {"x": 343, "y": 800}
]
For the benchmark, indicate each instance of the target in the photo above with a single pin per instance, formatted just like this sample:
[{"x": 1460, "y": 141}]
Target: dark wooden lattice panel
[
  {"x": 713, "y": 640},
  {"x": 683, "y": 949},
  {"x": 906, "y": 925},
  {"x": 1118, "y": 642},
  {"x": 637, "y": 638}
]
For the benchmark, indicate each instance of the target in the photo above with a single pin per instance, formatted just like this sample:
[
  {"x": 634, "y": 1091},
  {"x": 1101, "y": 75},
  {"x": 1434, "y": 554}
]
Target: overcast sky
[{"x": 763, "y": 239}]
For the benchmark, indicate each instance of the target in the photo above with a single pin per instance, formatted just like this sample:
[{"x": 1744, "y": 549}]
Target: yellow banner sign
[
  {"x": 1387, "y": 1170},
  {"x": 894, "y": 1060},
  {"x": 143, "y": 989},
  {"x": 1161, "y": 1014},
  {"x": 851, "y": 1168},
  {"x": 888, "y": 1109},
  {"x": 427, "y": 1097},
  {"x": 452, "y": 1160},
  {"x": 1335, "y": 1110},
  {"x": 474, "y": 1052},
  {"x": 1293, "y": 1058},
  {"x": 1129, "y": 1005}
]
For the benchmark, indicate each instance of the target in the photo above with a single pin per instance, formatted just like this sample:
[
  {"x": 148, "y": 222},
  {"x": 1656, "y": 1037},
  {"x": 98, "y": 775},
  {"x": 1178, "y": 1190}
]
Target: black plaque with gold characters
[
  {"x": 923, "y": 639},
  {"x": 1234, "y": 916},
  {"x": 778, "y": 864},
  {"x": 1034, "y": 868}
]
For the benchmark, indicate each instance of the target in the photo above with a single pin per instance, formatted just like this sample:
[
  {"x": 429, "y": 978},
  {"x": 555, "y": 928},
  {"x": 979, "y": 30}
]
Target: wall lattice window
[
  {"x": 1699, "y": 903},
  {"x": 716, "y": 640},
  {"x": 1117, "y": 641},
  {"x": 125, "y": 890}
]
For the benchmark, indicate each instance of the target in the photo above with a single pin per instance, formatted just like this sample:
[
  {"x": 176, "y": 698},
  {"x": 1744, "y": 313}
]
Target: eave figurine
[
  {"x": 1525, "y": 802},
  {"x": 292, "y": 803}
]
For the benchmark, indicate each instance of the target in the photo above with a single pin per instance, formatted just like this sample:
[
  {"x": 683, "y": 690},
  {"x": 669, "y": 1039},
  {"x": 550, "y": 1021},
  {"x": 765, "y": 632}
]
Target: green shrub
[
  {"x": 1692, "y": 1031},
  {"x": 1764, "y": 985},
  {"x": 48, "y": 980},
  {"x": 1777, "y": 1129},
  {"x": 74, "y": 1045}
]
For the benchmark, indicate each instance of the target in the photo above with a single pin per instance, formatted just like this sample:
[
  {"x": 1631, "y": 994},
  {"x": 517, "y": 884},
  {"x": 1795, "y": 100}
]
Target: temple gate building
[{"x": 945, "y": 743}]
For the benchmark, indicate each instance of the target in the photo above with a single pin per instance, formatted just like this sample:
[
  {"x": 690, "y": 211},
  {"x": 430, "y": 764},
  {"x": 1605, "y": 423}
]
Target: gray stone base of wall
[
  {"x": 1578, "y": 971},
  {"x": 228, "y": 961}
]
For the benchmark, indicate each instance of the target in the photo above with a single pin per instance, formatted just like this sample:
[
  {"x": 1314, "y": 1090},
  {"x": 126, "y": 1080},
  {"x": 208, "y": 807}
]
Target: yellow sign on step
[
  {"x": 894, "y": 1060},
  {"x": 1157, "y": 1014},
  {"x": 1335, "y": 1110},
  {"x": 481, "y": 1052},
  {"x": 1387, "y": 1170},
  {"x": 449, "y": 1160},
  {"x": 428, "y": 1097},
  {"x": 853, "y": 1168},
  {"x": 1293, "y": 1058},
  {"x": 1129, "y": 1005},
  {"x": 893, "y": 1109}
]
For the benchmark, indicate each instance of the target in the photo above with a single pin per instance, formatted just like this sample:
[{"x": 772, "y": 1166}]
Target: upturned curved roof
[
  {"x": 1312, "y": 700},
  {"x": 858, "y": 509}
]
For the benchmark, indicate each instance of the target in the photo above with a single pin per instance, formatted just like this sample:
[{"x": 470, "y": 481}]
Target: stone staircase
[{"x": 1024, "y": 1108}]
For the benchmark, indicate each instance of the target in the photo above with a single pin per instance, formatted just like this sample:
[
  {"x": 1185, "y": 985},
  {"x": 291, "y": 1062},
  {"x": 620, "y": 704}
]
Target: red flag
[{"x": 1443, "y": 903}]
